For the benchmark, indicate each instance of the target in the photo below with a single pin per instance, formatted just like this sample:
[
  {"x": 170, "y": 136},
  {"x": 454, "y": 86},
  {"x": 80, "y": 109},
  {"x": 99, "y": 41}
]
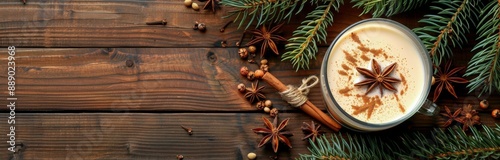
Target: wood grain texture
[
  {"x": 106, "y": 23},
  {"x": 122, "y": 135}
]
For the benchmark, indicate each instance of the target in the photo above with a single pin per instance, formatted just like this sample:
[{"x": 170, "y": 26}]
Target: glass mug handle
[{"x": 429, "y": 108}]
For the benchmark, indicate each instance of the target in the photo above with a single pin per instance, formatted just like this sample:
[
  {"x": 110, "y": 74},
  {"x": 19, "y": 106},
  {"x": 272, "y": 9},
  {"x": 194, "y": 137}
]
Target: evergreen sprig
[
  {"x": 302, "y": 47},
  {"x": 387, "y": 7},
  {"x": 447, "y": 28},
  {"x": 263, "y": 11},
  {"x": 452, "y": 143},
  {"x": 485, "y": 64}
]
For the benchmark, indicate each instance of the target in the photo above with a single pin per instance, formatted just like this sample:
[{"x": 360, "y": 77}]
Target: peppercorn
[
  {"x": 252, "y": 49},
  {"x": 260, "y": 105},
  {"x": 242, "y": 88},
  {"x": 243, "y": 53},
  {"x": 195, "y": 6},
  {"x": 495, "y": 113},
  {"x": 273, "y": 112},
  {"x": 259, "y": 74},
  {"x": 484, "y": 104},
  {"x": 251, "y": 155},
  {"x": 244, "y": 71},
  {"x": 268, "y": 103},
  {"x": 202, "y": 27},
  {"x": 251, "y": 76}
]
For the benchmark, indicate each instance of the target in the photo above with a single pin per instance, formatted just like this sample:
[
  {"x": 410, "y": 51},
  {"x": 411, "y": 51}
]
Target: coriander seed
[
  {"x": 243, "y": 53},
  {"x": 252, "y": 49}
]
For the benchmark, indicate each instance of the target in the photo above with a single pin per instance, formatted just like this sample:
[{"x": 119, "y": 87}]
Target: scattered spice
[
  {"x": 274, "y": 131},
  {"x": 199, "y": 26},
  {"x": 255, "y": 93},
  {"x": 244, "y": 71},
  {"x": 484, "y": 104},
  {"x": 264, "y": 67},
  {"x": 242, "y": 88},
  {"x": 223, "y": 44},
  {"x": 268, "y": 103},
  {"x": 495, "y": 113},
  {"x": 251, "y": 76},
  {"x": 267, "y": 109},
  {"x": 451, "y": 117},
  {"x": 180, "y": 157},
  {"x": 263, "y": 61},
  {"x": 24, "y": 1},
  {"x": 252, "y": 49},
  {"x": 243, "y": 53},
  {"x": 267, "y": 38},
  {"x": 273, "y": 112},
  {"x": 188, "y": 130},
  {"x": 260, "y": 105},
  {"x": 259, "y": 73},
  {"x": 195, "y": 6},
  {"x": 443, "y": 79},
  {"x": 188, "y": 3},
  {"x": 312, "y": 130},
  {"x": 212, "y": 3},
  {"x": 162, "y": 22},
  {"x": 251, "y": 155},
  {"x": 469, "y": 117},
  {"x": 377, "y": 77},
  {"x": 223, "y": 28}
]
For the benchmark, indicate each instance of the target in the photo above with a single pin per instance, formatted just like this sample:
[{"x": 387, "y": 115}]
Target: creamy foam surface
[{"x": 385, "y": 44}]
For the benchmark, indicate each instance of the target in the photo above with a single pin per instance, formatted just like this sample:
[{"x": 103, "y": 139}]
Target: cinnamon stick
[{"x": 307, "y": 107}]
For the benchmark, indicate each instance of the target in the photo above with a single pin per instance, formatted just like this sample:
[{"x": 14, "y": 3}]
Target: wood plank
[
  {"x": 161, "y": 79},
  {"x": 106, "y": 23},
  {"x": 123, "y": 135}
]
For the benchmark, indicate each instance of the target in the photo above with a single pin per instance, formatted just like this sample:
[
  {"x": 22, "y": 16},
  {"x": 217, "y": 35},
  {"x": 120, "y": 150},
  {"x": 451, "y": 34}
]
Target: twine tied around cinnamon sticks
[{"x": 296, "y": 96}]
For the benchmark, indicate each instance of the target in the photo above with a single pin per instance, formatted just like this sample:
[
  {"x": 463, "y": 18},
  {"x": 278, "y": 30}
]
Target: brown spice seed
[
  {"x": 244, "y": 71},
  {"x": 259, "y": 74},
  {"x": 484, "y": 104},
  {"x": 495, "y": 113},
  {"x": 273, "y": 112},
  {"x": 242, "y": 88},
  {"x": 251, "y": 76}
]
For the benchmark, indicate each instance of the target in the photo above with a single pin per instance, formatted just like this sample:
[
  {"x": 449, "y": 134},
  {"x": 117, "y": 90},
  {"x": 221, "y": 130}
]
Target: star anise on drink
[
  {"x": 255, "y": 93},
  {"x": 376, "y": 77},
  {"x": 444, "y": 79},
  {"x": 451, "y": 117},
  {"x": 273, "y": 132},
  {"x": 312, "y": 130},
  {"x": 267, "y": 38},
  {"x": 469, "y": 117},
  {"x": 212, "y": 3}
]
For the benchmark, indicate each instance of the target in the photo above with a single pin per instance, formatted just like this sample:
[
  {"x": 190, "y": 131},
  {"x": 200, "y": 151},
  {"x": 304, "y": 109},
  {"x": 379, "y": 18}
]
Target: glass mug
[{"x": 386, "y": 42}]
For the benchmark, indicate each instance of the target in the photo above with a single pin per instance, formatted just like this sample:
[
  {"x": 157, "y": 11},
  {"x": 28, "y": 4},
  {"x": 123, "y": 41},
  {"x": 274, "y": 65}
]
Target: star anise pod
[
  {"x": 469, "y": 117},
  {"x": 376, "y": 77},
  {"x": 443, "y": 79},
  {"x": 273, "y": 132},
  {"x": 212, "y": 3},
  {"x": 451, "y": 117},
  {"x": 267, "y": 38},
  {"x": 255, "y": 93},
  {"x": 312, "y": 130}
]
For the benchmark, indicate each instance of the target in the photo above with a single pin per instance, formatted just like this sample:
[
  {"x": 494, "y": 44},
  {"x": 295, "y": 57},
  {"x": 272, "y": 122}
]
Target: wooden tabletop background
[{"x": 77, "y": 98}]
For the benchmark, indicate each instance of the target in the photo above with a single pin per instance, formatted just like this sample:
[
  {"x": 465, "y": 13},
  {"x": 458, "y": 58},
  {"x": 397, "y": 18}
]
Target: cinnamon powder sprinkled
[
  {"x": 369, "y": 105},
  {"x": 350, "y": 58},
  {"x": 404, "y": 83},
  {"x": 345, "y": 91},
  {"x": 401, "y": 107},
  {"x": 343, "y": 73},
  {"x": 345, "y": 67},
  {"x": 364, "y": 57}
]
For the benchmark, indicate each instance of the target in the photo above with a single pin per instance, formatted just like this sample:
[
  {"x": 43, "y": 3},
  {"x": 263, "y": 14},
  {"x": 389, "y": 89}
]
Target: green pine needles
[
  {"x": 387, "y": 7},
  {"x": 452, "y": 143},
  {"x": 485, "y": 64},
  {"x": 448, "y": 28},
  {"x": 302, "y": 46}
]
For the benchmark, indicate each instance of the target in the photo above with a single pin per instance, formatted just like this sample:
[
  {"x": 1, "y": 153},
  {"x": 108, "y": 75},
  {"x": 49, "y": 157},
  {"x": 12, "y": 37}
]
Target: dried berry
[
  {"x": 495, "y": 113},
  {"x": 267, "y": 109},
  {"x": 251, "y": 76},
  {"x": 260, "y": 105},
  {"x": 268, "y": 103},
  {"x": 273, "y": 112},
  {"x": 242, "y": 88},
  {"x": 264, "y": 67},
  {"x": 259, "y": 74},
  {"x": 263, "y": 61},
  {"x": 244, "y": 71},
  {"x": 243, "y": 53},
  {"x": 484, "y": 104}
]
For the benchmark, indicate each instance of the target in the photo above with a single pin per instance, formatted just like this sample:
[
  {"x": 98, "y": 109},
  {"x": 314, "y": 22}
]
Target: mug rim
[{"x": 345, "y": 117}]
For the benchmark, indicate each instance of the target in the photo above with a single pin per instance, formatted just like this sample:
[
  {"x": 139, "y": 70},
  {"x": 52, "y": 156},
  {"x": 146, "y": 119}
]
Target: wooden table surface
[{"x": 77, "y": 98}]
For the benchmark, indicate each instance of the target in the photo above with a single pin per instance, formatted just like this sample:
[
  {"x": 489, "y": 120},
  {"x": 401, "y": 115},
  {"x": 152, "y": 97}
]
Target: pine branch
[
  {"x": 443, "y": 144},
  {"x": 303, "y": 45},
  {"x": 263, "y": 11},
  {"x": 453, "y": 21},
  {"x": 485, "y": 64},
  {"x": 387, "y": 7}
]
